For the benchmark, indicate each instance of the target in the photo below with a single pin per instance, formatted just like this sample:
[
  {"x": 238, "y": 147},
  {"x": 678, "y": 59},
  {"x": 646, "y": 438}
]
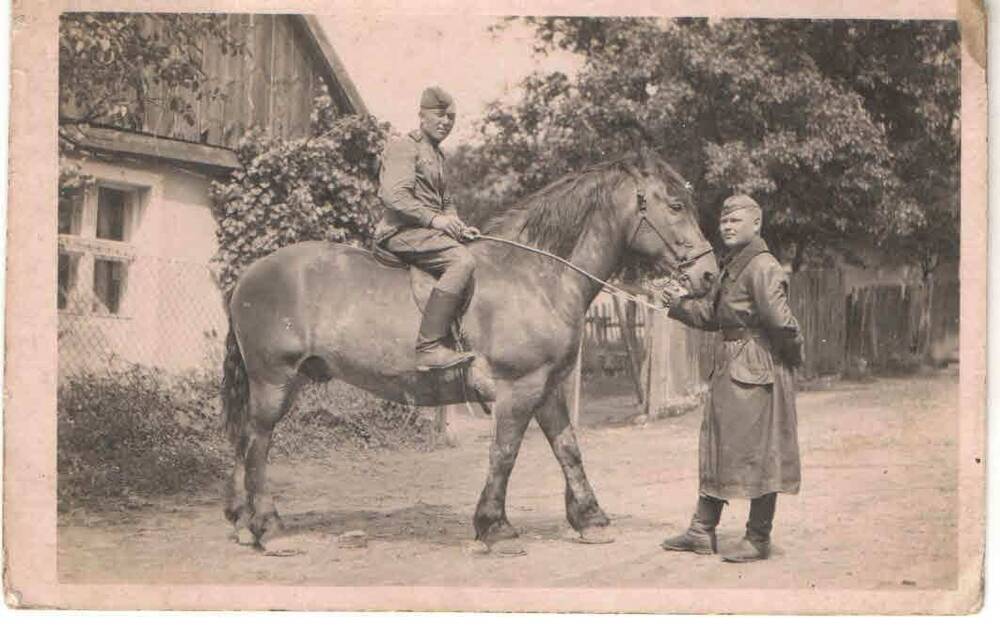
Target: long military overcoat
[{"x": 749, "y": 442}]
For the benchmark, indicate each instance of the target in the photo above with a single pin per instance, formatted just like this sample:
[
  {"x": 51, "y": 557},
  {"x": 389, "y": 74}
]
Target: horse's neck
[{"x": 599, "y": 251}]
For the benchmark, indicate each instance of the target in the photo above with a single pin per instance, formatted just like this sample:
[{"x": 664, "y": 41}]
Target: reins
[{"x": 607, "y": 285}]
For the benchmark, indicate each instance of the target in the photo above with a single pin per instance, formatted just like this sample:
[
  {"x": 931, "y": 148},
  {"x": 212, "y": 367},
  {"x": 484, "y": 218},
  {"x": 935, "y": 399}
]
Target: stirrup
[{"x": 457, "y": 359}]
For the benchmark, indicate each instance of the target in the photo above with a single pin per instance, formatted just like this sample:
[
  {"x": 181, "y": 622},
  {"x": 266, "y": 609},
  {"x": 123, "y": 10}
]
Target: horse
[{"x": 315, "y": 311}]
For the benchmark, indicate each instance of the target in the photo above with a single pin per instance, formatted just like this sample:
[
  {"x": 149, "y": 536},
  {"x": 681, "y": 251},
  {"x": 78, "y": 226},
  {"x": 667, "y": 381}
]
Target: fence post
[
  {"x": 633, "y": 368},
  {"x": 648, "y": 358}
]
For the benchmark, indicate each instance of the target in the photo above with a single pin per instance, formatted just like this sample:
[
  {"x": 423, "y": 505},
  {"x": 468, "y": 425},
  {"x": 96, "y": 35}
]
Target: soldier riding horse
[{"x": 319, "y": 311}]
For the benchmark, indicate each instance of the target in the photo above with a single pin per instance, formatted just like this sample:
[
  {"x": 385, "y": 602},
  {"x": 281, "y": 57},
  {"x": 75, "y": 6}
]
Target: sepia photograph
[{"x": 507, "y": 310}]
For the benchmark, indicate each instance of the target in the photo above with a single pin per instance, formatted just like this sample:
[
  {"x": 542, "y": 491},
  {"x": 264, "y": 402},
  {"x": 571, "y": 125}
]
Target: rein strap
[{"x": 607, "y": 285}]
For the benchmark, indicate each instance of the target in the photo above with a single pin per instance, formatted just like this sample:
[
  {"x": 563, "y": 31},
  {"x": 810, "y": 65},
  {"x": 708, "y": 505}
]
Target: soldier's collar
[
  {"x": 419, "y": 136},
  {"x": 737, "y": 261}
]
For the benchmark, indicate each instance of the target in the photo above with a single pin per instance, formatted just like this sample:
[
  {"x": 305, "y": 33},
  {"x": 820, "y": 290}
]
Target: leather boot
[
  {"x": 756, "y": 543},
  {"x": 432, "y": 354},
  {"x": 700, "y": 536}
]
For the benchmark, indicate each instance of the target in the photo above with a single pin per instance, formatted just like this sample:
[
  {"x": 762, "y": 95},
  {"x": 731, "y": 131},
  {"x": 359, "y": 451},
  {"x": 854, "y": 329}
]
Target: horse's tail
[{"x": 235, "y": 387}]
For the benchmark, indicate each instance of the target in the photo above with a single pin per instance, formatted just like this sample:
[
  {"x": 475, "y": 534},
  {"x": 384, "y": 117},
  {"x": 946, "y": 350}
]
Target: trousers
[{"x": 436, "y": 253}]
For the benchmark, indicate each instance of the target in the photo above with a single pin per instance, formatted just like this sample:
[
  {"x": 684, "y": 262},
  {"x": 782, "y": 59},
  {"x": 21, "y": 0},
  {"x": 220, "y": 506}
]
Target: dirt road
[{"x": 877, "y": 510}]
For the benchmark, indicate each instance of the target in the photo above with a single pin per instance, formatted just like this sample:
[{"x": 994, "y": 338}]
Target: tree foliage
[
  {"x": 832, "y": 126},
  {"x": 111, "y": 65},
  {"x": 286, "y": 191}
]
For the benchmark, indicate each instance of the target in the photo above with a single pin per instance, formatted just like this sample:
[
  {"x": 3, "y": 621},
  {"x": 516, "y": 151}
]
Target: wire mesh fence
[{"x": 149, "y": 311}]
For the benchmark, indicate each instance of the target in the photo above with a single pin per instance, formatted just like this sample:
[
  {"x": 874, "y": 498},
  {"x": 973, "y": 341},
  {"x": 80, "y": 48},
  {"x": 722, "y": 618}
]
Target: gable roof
[{"x": 339, "y": 83}]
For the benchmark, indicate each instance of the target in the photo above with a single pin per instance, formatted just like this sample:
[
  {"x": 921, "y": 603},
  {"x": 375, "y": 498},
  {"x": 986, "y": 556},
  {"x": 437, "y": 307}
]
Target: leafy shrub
[
  {"x": 320, "y": 188},
  {"x": 337, "y": 415},
  {"x": 118, "y": 436},
  {"x": 143, "y": 432}
]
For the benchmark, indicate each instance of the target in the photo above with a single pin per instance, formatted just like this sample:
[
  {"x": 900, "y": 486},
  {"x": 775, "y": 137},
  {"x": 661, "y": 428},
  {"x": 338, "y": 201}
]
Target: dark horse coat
[{"x": 749, "y": 442}]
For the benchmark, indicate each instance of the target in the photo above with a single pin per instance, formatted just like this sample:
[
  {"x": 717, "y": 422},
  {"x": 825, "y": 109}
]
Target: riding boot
[
  {"x": 432, "y": 354},
  {"x": 700, "y": 536},
  {"x": 756, "y": 543}
]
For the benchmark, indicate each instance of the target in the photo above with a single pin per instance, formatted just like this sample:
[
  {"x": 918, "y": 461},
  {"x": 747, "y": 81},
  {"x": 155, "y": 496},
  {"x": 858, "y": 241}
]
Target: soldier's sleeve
[
  {"x": 769, "y": 286},
  {"x": 397, "y": 183},
  {"x": 446, "y": 198},
  {"x": 697, "y": 312},
  {"x": 449, "y": 204}
]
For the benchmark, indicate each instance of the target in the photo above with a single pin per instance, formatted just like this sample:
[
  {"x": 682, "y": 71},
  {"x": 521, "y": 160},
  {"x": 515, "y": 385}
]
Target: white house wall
[{"x": 171, "y": 314}]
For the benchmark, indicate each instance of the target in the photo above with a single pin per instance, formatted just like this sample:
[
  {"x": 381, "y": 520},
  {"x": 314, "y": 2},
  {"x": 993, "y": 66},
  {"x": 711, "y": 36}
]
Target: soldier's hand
[
  {"x": 450, "y": 225},
  {"x": 672, "y": 292}
]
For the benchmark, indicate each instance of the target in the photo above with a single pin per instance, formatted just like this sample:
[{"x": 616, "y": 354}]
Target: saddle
[{"x": 421, "y": 282}]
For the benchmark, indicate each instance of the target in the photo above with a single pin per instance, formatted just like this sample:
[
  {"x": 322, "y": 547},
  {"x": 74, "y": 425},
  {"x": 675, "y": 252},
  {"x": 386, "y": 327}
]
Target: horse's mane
[{"x": 553, "y": 218}]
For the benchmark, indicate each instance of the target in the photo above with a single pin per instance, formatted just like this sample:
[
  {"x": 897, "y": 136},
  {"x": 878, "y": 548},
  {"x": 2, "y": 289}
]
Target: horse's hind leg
[
  {"x": 268, "y": 403},
  {"x": 582, "y": 509},
  {"x": 237, "y": 509}
]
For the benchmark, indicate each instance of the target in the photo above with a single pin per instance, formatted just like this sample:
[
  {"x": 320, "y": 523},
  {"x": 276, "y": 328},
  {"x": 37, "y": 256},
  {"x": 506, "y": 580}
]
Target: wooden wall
[{"x": 271, "y": 86}]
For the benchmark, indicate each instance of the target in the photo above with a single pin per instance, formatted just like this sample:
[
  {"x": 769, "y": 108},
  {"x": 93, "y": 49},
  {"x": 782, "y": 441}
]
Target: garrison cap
[
  {"x": 739, "y": 202},
  {"x": 435, "y": 97}
]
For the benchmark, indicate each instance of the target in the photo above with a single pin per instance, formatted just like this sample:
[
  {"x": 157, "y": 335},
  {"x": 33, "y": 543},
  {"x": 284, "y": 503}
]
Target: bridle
[{"x": 684, "y": 261}]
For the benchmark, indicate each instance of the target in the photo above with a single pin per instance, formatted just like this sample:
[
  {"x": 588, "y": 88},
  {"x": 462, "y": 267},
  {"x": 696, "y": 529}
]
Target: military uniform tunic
[
  {"x": 413, "y": 191},
  {"x": 748, "y": 445}
]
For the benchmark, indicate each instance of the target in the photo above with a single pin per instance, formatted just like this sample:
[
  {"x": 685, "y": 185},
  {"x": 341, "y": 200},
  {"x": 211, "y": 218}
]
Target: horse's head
[{"x": 661, "y": 225}]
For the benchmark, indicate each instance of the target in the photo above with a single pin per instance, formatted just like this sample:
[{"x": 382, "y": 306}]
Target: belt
[{"x": 739, "y": 334}]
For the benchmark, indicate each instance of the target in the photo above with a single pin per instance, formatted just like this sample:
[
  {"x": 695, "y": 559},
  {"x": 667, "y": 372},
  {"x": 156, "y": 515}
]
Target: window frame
[{"x": 87, "y": 248}]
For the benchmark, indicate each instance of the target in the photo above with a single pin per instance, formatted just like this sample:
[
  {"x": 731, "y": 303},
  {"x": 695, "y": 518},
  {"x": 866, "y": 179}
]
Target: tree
[
  {"x": 908, "y": 74},
  {"x": 753, "y": 106},
  {"x": 111, "y": 63}
]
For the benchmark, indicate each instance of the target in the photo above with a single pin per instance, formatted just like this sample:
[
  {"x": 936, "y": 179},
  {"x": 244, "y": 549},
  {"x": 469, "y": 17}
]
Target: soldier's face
[
  {"x": 437, "y": 123},
  {"x": 739, "y": 227}
]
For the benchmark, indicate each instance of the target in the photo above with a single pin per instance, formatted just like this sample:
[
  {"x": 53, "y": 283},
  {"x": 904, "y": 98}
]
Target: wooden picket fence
[
  {"x": 881, "y": 326},
  {"x": 886, "y": 325},
  {"x": 817, "y": 299}
]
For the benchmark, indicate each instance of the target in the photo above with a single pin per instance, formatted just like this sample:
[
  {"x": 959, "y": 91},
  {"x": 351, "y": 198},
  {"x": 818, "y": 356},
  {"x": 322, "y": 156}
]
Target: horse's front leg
[
  {"x": 515, "y": 405},
  {"x": 582, "y": 510}
]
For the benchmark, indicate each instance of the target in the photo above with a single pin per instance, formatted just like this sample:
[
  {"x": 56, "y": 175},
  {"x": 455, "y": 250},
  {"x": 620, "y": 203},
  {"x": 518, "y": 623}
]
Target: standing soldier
[
  {"x": 421, "y": 226},
  {"x": 748, "y": 446}
]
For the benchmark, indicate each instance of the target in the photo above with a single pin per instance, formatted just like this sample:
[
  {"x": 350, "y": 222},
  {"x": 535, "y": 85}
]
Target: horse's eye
[{"x": 676, "y": 204}]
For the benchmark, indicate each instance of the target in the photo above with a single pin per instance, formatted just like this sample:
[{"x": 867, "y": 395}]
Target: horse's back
[{"x": 315, "y": 295}]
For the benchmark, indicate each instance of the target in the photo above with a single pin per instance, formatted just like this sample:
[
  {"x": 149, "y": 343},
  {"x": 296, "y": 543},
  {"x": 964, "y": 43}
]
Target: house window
[
  {"x": 68, "y": 265},
  {"x": 109, "y": 285},
  {"x": 112, "y": 205},
  {"x": 96, "y": 228}
]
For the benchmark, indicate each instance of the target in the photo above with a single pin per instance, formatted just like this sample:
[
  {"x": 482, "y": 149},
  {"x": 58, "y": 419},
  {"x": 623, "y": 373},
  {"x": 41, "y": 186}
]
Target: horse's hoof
[
  {"x": 267, "y": 528},
  {"x": 595, "y": 536},
  {"x": 244, "y": 536},
  {"x": 475, "y": 548},
  {"x": 509, "y": 547}
]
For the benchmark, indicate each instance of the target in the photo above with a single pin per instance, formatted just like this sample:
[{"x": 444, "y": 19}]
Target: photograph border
[{"x": 29, "y": 496}]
